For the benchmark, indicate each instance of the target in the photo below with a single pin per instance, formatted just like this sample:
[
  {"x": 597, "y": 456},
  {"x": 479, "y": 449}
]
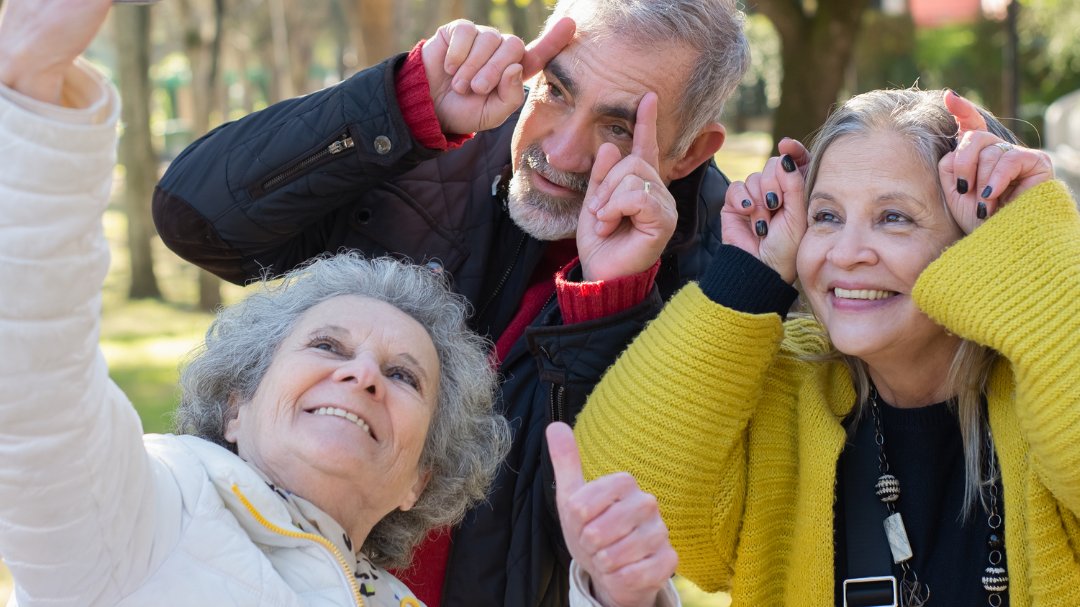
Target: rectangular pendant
[{"x": 898, "y": 540}]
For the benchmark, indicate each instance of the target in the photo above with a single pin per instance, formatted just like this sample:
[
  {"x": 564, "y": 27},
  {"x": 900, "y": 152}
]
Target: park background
[{"x": 184, "y": 66}]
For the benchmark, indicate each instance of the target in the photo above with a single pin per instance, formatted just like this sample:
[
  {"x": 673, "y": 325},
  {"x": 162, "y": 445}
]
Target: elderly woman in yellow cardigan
[{"x": 933, "y": 389}]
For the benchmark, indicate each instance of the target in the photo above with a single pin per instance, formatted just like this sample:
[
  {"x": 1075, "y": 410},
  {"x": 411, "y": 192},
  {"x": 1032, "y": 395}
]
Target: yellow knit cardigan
[{"x": 719, "y": 414}]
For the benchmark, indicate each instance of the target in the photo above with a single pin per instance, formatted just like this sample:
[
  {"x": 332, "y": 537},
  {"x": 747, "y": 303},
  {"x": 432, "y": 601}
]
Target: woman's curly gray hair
[{"x": 467, "y": 440}]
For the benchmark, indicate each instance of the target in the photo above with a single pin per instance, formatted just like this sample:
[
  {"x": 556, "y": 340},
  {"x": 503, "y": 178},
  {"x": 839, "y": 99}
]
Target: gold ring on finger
[{"x": 1004, "y": 146}]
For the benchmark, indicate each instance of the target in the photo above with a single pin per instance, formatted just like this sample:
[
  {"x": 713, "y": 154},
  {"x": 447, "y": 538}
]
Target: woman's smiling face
[
  {"x": 344, "y": 407},
  {"x": 876, "y": 219}
]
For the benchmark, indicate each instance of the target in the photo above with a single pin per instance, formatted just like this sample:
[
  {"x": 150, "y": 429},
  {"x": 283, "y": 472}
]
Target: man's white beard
[{"x": 541, "y": 216}]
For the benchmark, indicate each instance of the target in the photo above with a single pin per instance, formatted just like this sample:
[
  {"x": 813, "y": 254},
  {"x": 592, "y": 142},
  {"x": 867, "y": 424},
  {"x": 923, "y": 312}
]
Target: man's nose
[{"x": 570, "y": 147}]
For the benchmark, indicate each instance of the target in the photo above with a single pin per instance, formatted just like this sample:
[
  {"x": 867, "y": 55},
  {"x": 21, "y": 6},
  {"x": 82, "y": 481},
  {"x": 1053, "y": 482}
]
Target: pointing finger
[
  {"x": 967, "y": 115},
  {"x": 645, "y": 146},
  {"x": 606, "y": 158},
  {"x": 549, "y": 44},
  {"x": 565, "y": 459}
]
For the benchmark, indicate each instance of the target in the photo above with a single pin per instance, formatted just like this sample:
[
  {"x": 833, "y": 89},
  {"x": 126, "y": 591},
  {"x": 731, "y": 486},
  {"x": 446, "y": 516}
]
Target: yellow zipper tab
[{"x": 318, "y": 539}]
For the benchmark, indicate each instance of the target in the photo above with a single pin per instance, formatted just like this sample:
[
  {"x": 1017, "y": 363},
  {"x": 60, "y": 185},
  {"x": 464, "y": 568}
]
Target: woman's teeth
[
  {"x": 861, "y": 293},
  {"x": 345, "y": 414}
]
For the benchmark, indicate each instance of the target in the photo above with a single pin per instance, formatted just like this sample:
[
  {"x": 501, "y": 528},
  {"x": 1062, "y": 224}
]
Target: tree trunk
[
  {"x": 136, "y": 150},
  {"x": 281, "y": 65},
  {"x": 478, "y": 11},
  {"x": 371, "y": 27},
  {"x": 1010, "y": 73},
  {"x": 816, "y": 51},
  {"x": 203, "y": 50}
]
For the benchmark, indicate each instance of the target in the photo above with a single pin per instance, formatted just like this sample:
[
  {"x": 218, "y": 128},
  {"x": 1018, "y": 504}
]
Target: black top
[{"x": 925, "y": 453}]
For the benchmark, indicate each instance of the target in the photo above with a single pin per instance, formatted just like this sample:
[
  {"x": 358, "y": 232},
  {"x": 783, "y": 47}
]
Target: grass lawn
[{"x": 144, "y": 341}]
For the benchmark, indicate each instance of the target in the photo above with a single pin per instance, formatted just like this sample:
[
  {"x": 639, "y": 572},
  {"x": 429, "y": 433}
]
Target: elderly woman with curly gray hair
[{"x": 328, "y": 422}]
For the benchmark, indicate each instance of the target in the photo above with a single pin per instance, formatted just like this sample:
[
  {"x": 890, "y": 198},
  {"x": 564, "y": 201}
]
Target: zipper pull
[{"x": 340, "y": 145}]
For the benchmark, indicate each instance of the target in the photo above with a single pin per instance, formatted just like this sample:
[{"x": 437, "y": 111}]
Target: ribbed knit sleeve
[
  {"x": 1014, "y": 284},
  {"x": 673, "y": 411}
]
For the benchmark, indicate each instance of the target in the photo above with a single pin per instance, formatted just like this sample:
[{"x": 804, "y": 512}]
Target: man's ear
[
  {"x": 415, "y": 492},
  {"x": 707, "y": 142}
]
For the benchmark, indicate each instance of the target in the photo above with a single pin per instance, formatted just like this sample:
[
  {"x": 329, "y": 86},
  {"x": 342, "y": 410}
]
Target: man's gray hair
[
  {"x": 713, "y": 29},
  {"x": 466, "y": 441}
]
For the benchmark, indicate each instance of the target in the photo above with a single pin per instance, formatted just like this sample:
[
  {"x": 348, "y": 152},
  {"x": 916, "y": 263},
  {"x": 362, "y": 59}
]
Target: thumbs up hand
[{"x": 612, "y": 528}]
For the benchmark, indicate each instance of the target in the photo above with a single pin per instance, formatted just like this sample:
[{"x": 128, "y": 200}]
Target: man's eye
[
  {"x": 621, "y": 132},
  {"x": 552, "y": 90}
]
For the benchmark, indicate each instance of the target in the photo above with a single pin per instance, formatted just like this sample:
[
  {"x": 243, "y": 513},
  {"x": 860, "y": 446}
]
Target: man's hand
[
  {"x": 476, "y": 73},
  {"x": 40, "y": 39},
  {"x": 612, "y": 528},
  {"x": 628, "y": 215}
]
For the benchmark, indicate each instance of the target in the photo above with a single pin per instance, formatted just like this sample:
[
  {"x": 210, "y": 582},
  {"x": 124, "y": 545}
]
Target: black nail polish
[
  {"x": 761, "y": 228},
  {"x": 980, "y": 210},
  {"x": 987, "y": 191},
  {"x": 788, "y": 163},
  {"x": 961, "y": 186},
  {"x": 772, "y": 201},
  {"x": 746, "y": 204}
]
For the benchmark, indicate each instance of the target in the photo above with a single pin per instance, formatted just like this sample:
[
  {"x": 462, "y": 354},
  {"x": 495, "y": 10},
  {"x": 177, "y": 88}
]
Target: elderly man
[{"x": 438, "y": 156}]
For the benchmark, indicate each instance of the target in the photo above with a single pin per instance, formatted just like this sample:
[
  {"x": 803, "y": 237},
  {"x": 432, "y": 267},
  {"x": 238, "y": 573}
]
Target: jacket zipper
[
  {"x": 556, "y": 399},
  {"x": 318, "y": 539},
  {"x": 342, "y": 143},
  {"x": 505, "y": 277}
]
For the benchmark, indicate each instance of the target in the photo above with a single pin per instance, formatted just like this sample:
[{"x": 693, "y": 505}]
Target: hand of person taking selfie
[{"x": 40, "y": 39}]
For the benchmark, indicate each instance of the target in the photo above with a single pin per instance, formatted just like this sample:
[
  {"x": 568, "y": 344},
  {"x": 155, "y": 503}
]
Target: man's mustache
[{"x": 534, "y": 158}]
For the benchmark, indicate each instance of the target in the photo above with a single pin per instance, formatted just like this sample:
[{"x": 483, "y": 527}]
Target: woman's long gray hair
[
  {"x": 922, "y": 119},
  {"x": 466, "y": 441}
]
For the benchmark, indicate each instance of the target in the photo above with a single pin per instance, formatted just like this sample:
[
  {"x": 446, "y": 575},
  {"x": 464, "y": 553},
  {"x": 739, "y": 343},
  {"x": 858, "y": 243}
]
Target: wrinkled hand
[
  {"x": 40, "y": 39},
  {"x": 612, "y": 528},
  {"x": 476, "y": 73},
  {"x": 624, "y": 225},
  {"x": 766, "y": 215}
]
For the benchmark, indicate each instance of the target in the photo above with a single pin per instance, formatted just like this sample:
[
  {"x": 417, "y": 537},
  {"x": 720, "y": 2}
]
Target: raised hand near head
[
  {"x": 985, "y": 172},
  {"x": 612, "y": 528},
  {"x": 628, "y": 215},
  {"x": 40, "y": 39},
  {"x": 997, "y": 172},
  {"x": 766, "y": 215},
  {"x": 476, "y": 73}
]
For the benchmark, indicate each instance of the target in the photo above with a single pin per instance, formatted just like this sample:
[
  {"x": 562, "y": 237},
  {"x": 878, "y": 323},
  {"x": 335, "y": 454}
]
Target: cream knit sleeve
[
  {"x": 673, "y": 411},
  {"x": 1014, "y": 285}
]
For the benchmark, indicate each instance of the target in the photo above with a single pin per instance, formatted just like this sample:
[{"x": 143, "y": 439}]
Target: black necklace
[{"x": 913, "y": 593}]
